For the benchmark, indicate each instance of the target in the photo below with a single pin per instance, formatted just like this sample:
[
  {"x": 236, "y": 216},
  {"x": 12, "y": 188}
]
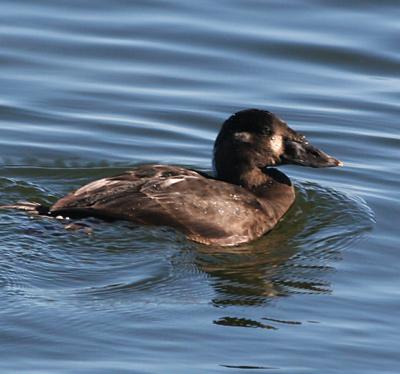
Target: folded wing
[{"x": 206, "y": 210}]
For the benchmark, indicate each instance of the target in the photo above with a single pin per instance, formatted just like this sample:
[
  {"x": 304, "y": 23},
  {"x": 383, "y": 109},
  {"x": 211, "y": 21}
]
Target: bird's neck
[
  {"x": 270, "y": 185},
  {"x": 276, "y": 193},
  {"x": 251, "y": 176}
]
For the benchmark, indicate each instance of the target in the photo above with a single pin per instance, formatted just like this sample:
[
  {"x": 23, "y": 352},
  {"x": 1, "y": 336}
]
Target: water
[{"x": 91, "y": 89}]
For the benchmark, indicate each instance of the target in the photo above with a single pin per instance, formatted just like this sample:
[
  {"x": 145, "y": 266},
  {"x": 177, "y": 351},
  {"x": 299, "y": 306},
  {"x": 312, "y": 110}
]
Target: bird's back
[{"x": 205, "y": 209}]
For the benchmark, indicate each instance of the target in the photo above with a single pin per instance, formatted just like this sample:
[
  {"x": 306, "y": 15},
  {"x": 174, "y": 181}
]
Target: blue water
[{"x": 89, "y": 89}]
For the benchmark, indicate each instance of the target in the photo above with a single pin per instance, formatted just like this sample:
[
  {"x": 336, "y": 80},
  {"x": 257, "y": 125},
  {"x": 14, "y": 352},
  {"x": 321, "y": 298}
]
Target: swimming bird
[{"x": 244, "y": 200}]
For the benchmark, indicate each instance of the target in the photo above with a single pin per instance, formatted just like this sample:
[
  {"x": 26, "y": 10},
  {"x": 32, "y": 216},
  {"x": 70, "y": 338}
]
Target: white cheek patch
[
  {"x": 276, "y": 144},
  {"x": 243, "y": 136}
]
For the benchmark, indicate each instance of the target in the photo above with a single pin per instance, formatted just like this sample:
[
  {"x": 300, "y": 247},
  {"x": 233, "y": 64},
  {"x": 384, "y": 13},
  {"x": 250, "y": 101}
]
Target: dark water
[{"x": 88, "y": 89}]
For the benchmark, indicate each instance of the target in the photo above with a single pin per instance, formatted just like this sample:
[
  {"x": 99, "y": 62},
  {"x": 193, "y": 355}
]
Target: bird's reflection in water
[
  {"x": 251, "y": 274},
  {"x": 295, "y": 257}
]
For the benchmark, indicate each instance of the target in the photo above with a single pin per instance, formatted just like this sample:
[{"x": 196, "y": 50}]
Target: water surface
[{"x": 90, "y": 90}]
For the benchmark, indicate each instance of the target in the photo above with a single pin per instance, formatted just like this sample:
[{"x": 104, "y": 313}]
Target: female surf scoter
[{"x": 244, "y": 200}]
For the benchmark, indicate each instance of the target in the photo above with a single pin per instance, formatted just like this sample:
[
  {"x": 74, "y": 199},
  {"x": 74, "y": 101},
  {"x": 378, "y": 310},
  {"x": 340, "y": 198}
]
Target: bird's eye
[{"x": 266, "y": 131}]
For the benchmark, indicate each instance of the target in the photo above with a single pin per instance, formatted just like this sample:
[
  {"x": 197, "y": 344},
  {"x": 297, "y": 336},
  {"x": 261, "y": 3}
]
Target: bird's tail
[{"x": 30, "y": 208}]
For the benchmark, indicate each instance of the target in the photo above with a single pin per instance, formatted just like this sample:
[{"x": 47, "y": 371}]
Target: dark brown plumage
[{"x": 245, "y": 199}]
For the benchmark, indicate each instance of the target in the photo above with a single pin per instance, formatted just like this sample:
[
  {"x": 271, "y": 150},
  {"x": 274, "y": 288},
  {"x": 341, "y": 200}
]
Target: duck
[{"x": 245, "y": 198}]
